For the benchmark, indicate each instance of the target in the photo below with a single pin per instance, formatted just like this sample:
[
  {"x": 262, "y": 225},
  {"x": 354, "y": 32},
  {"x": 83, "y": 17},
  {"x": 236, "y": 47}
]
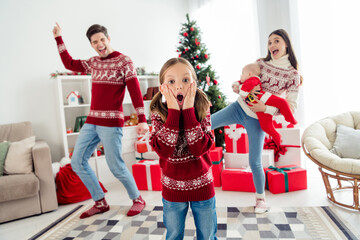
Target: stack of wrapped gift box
[
  {"x": 287, "y": 174},
  {"x": 146, "y": 171},
  {"x": 282, "y": 165}
]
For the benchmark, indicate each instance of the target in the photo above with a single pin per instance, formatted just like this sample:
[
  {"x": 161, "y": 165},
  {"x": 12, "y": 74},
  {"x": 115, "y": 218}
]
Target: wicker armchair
[{"x": 317, "y": 141}]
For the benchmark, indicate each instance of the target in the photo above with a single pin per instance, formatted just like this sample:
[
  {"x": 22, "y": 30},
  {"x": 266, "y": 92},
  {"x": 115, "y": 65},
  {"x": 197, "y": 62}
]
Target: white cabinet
[{"x": 68, "y": 114}]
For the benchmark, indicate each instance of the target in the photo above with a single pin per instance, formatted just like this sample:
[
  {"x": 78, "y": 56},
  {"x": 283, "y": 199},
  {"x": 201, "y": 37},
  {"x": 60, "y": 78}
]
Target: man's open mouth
[{"x": 103, "y": 51}]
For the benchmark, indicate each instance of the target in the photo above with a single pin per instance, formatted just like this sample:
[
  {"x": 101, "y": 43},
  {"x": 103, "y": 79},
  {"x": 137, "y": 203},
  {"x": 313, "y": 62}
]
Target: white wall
[{"x": 147, "y": 31}]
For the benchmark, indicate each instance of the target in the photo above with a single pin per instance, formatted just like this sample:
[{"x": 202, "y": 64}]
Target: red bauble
[
  {"x": 219, "y": 96},
  {"x": 183, "y": 51},
  {"x": 98, "y": 152},
  {"x": 220, "y": 131},
  {"x": 206, "y": 56},
  {"x": 197, "y": 56},
  {"x": 185, "y": 34},
  {"x": 191, "y": 29},
  {"x": 215, "y": 82},
  {"x": 180, "y": 55},
  {"x": 197, "y": 67},
  {"x": 186, "y": 49}
]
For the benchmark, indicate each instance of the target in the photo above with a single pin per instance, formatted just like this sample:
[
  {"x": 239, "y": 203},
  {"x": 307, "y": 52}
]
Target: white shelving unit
[{"x": 68, "y": 113}]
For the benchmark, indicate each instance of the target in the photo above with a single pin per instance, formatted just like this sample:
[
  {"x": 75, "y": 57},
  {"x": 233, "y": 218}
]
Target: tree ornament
[
  {"x": 206, "y": 56},
  {"x": 186, "y": 49},
  {"x": 177, "y": 50},
  {"x": 207, "y": 80},
  {"x": 197, "y": 42},
  {"x": 197, "y": 67},
  {"x": 215, "y": 82},
  {"x": 191, "y": 29},
  {"x": 197, "y": 56},
  {"x": 180, "y": 55},
  {"x": 220, "y": 131},
  {"x": 186, "y": 34},
  {"x": 219, "y": 96}
]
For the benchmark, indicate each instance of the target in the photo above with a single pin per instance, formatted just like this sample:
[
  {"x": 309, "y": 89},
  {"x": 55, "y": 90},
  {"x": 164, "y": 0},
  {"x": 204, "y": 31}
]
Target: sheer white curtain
[
  {"x": 230, "y": 32},
  {"x": 330, "y": 50}
]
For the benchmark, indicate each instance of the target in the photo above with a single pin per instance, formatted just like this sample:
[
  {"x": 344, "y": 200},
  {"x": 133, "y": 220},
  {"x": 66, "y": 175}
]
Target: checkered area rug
[{"x": 233, "y": 223}]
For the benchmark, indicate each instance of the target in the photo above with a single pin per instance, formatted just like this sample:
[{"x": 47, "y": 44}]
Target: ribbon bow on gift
[
  {"x": 233, "y": 132},
  {"x": 280, "y": 170},
  {"x": 270, "y": 144}
]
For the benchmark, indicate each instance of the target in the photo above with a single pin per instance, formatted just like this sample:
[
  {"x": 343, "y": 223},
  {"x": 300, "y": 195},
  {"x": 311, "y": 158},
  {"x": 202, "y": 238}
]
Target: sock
[
  {"x": 260, "y": 195},
  {"x": 137, "y": 207},
  {"x": 99, "y": 207}
]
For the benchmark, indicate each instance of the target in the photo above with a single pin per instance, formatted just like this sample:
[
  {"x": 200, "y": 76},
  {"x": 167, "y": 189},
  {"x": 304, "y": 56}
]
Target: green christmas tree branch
[{"x": 191, "y": 48}]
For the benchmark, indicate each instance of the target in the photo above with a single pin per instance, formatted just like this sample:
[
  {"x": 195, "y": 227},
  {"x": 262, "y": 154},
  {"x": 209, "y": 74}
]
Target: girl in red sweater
[{"x": 182, "y": 137}]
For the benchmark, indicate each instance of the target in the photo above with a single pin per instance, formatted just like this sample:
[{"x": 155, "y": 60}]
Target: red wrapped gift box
[
  {"x": 147, "y": 175},
  {"x": 285, "y": 179},
  {"x": 237, "y": 179},
  {"x": 236, "y": 139},
  {"x": 217, "y": 167},
  {"x": 142, "y": 145}
]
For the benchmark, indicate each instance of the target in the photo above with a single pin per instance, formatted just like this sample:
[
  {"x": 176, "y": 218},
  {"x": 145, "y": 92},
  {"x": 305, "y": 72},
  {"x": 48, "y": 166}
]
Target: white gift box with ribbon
[{"x": 241, "y": 160}]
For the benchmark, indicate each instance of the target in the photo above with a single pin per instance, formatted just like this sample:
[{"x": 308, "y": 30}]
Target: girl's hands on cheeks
[
  {"x": 169, "y": 97},
  {"x": 190, "y": 96}
]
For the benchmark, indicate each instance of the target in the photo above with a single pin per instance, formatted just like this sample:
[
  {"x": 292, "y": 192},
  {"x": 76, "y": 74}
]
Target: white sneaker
[{"x": 260, "y": 206}]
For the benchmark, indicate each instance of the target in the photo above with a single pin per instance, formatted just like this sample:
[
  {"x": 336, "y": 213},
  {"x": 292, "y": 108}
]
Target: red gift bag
[{"x": 70, "y": 188}]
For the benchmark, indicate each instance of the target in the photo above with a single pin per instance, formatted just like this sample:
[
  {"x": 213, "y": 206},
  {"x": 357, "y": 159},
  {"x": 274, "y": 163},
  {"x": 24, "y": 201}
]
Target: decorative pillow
[
  {"x": 19, "y": 157},
  {"x": 347, "y": 142},
  {"x": 4, "y": 146}
]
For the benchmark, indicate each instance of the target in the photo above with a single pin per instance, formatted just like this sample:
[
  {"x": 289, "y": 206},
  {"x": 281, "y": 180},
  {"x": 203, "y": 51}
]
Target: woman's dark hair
[
  {"x": 96, "y": 28},
  {"x": 289, "y": 50}
]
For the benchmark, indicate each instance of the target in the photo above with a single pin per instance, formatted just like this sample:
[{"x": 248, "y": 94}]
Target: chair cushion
[
  {"x": 18, "y": 186},
  {"x": 347, "y": 142},
  {"x": 19, "y": 157},
  {"x": 319, "y": 138},
  {"x": 4, "y": 147}
]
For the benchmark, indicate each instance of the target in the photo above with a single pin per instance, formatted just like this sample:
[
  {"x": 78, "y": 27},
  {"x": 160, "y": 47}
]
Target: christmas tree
[{"x": 191, "y": 48}]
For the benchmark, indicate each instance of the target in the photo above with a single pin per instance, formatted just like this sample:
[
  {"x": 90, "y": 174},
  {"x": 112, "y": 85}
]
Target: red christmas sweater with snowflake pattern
[
  {"x": 183, "y": 144},
  {"x": 110, "y": 76}
]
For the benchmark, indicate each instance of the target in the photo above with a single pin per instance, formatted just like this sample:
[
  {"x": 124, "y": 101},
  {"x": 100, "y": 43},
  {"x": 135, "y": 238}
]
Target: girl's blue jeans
[
  {"x": 88, "y": 139},
  {"x": 204, "y": 213},
  {"x": 234, "y": 114}
]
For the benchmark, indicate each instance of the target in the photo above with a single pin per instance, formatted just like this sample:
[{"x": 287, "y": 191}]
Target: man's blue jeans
[
  {"x": 88, "y": 139},
  {"x": 204, "y": 213}
]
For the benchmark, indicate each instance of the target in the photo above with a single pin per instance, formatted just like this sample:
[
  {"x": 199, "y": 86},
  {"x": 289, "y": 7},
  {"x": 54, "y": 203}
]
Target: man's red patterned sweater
[
  {"x": 183, "y": 144},
  {"x": 110, "y": 76}
]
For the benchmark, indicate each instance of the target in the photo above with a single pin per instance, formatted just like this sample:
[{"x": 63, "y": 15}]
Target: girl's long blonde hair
[{"x": 201, "y": 103}]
